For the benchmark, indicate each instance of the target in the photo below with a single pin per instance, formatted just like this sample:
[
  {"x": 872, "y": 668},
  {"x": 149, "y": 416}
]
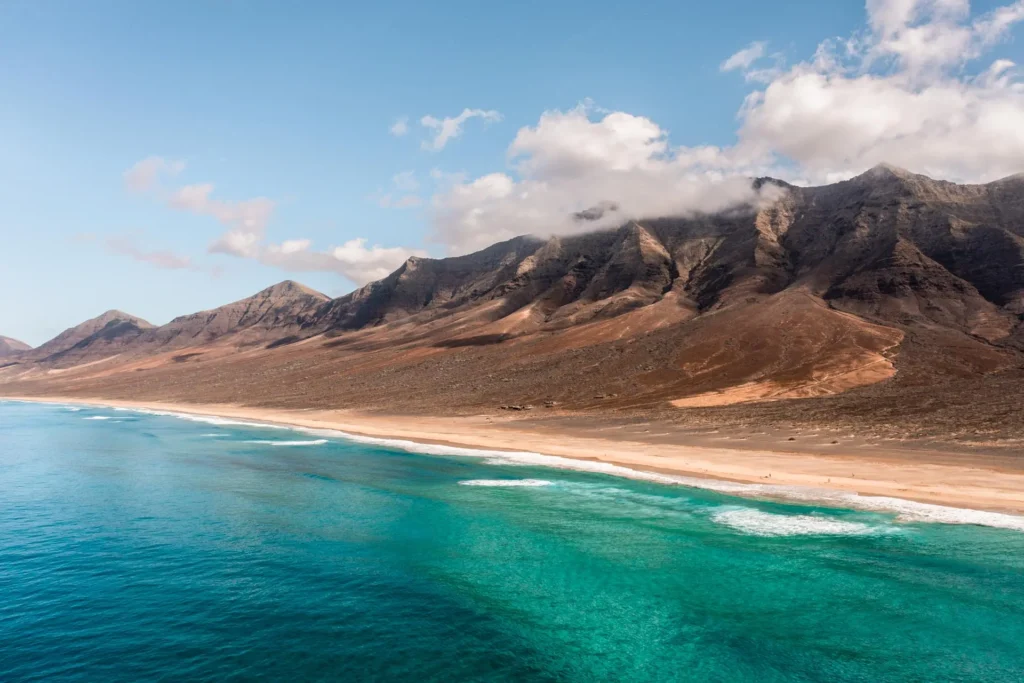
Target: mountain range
[{"x": 887, "y": 294}]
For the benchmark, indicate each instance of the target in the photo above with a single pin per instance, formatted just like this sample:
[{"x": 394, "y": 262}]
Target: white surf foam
[
  {"x": 206, "y": 419},
  {"x": 98, "y": 417},
  {"x": 911, "y": 511},
  {"x": 758, "y": 523},
  {"x": 266, "y": 442},
  {"x": 506, "y": 483},
  {"x": 906, "y": 510},
  {"x": 504, "y": 462}
]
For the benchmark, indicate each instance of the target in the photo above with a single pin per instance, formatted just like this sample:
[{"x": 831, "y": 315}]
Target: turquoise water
[{"x": 144, "y": 547}]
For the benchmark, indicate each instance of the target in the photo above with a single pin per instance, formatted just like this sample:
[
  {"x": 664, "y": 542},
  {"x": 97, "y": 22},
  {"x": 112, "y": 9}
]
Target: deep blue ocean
[{"x": 141, "y": 547}]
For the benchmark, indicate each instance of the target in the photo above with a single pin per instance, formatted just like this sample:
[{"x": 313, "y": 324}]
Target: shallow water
[{"x": 145, "y": 546}]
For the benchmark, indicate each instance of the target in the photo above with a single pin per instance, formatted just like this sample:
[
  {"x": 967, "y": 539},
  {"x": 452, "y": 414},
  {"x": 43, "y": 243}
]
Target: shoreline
[{"x": 830, "y": 480}]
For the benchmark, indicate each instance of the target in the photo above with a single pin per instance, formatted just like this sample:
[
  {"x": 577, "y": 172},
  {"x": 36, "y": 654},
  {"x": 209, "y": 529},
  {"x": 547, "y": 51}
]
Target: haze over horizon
[{"x": 162, "y": 162}]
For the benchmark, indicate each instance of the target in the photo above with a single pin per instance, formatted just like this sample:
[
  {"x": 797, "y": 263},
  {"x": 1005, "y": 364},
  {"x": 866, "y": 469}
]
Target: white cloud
[
  {"x": 745, "y": 57},
  {"x": 569, "y": 143},
  {"x": 839, "y": 113},
  {"x": 293, "y": 246},
  {"x": 158, "y": 258},
  {"x": 897, "y": 92},
  {"x": 352, "y": 260},
  {"x": 568, "y": 164},
  {"x": 888, "y": 17},
  {"x": 246, "y": 224},
  {"x": 908, "y": 89},
  {"x": 143, "y": 175},
  {"x": 926, "y": 36},
  {"x": 448, "y": 128},
  {"x": 246, "y": 220},
  {"x": 400, "y": 127},
  {"x": 830, "y": 124}
]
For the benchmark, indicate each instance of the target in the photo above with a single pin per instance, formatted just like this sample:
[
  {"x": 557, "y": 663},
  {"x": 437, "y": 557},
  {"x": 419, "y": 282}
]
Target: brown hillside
[{"x": 878, "y": 290}]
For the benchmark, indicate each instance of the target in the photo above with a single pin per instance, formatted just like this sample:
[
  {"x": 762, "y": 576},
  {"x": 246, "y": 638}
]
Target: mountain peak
[
  {"x": 768, "y": 180},
  {"x": 12, "y": 347},
  {"x": 108, "y": 325},
  {"x": 884, "y": 171},
  {"x": 268, "y": 315},
  {"x": 886, "y": 167},
  {"x": 290, "y": 289},
  {"x": 115, "y": 314}
]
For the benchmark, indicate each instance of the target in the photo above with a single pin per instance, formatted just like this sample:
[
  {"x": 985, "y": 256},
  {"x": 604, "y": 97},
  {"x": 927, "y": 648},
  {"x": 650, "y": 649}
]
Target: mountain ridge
[
  {"x": 11, "y": 348},
  {"x": 112, "y": 324},
  {"x": 268, "y": 315},
  {"x": 887, "y": 282}
]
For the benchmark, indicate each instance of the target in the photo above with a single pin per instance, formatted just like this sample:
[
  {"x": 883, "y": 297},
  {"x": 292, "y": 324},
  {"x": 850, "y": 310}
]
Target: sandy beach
[{"x": 870, "y": 474}]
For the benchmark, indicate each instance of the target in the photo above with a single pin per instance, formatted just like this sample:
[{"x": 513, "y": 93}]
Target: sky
[{"x": 166, "y": 157}]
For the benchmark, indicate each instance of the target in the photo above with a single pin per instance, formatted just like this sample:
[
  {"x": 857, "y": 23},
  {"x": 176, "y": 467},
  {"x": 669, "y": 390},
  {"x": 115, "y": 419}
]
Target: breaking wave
[
  {"x": 205, "y": 419},
  {"x": 506, "y": 483},
  {"x": 906, "y": 510},
  {"x": 267, "y": 442},
  {"x": 758, "y": 523}
]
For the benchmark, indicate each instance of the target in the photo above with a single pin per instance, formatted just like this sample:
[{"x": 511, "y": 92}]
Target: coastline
[{"x": 771, "y": 474}]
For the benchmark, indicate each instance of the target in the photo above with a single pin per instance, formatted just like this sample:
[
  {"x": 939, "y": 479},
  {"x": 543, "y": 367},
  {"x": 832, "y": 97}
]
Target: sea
[{"x": 146, "y": 546}]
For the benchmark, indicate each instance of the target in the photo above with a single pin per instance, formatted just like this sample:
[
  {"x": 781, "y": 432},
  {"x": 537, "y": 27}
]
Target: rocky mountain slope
[
  {"x": 889, "y": 245},
  {"x": 10, "y": 348},
  {"x": 110, "y": 330},
  {"x": 266, "y": 316},
  {"x": 889, "y": 282},
  {"x": 270, "y": 315}
]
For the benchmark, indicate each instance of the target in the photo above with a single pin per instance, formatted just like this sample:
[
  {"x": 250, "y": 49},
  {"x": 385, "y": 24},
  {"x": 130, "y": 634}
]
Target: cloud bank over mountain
[
  {"x": 898, "y": 91},
  {"x": 911, "y": 88}
]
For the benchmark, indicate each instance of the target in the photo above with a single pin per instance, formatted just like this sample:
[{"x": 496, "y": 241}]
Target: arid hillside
[
  {"x": 890, "y": 299},
  {"x": 12, "y": 347}
]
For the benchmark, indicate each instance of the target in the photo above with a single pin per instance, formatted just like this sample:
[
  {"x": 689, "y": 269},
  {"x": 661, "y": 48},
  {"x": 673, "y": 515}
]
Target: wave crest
[
  {"x": 506, "y": 483},
  {"x": 205, "y": 419},
  {"x": 758, "y": 523},
  {"x": 906, "y": 510}
]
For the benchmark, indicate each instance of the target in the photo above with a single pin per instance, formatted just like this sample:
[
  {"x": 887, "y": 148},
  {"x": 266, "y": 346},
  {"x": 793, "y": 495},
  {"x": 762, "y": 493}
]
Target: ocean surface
[{"x": 138, "y": 546}]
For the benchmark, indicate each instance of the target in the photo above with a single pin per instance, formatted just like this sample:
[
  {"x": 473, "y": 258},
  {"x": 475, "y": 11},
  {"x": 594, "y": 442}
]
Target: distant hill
[
  {"x": 264, "y": 317},
  {"x": 108, "y": 330},
  {"x": 269, "y": 315},
  {"x": 10, "y": 348}
]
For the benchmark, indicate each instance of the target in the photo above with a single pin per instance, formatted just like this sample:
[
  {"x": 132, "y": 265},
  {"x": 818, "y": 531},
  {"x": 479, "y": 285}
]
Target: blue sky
[{"x": 293, "y": 103}]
